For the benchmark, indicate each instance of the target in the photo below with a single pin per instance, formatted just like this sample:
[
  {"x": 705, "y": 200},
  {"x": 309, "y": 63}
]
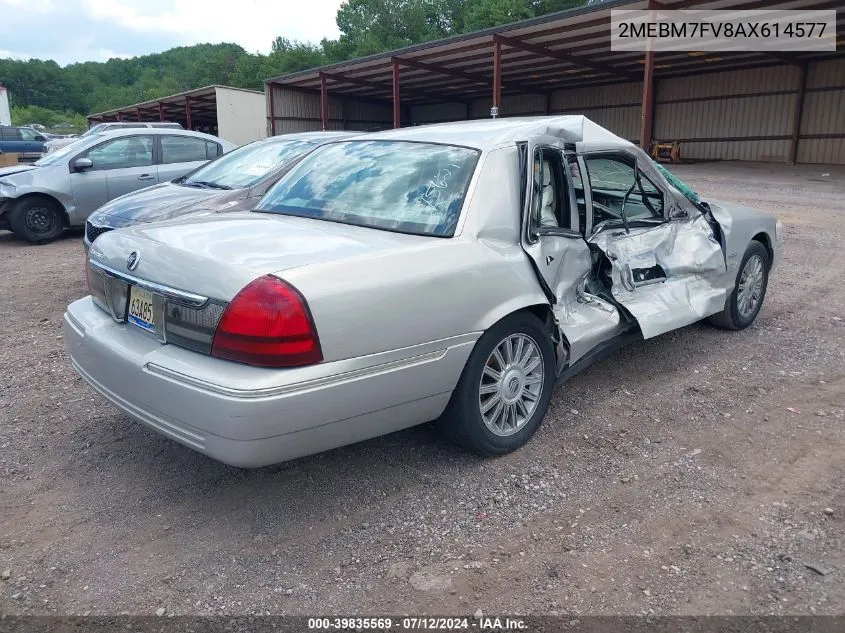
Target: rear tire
[
  {"x": 745, "y": 301},
  {"x": 504, "y": 390},
  {"x": 36, "y": 219}
]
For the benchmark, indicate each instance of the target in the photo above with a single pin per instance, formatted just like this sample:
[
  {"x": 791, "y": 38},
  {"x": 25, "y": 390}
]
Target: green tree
[
  {"x": 366, "y": 27},
  {"x": 482, "y": 15}
]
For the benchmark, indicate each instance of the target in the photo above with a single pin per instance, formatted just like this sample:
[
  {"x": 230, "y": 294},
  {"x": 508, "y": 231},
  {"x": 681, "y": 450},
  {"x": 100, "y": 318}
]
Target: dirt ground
[{"x": 699, "y": 473}]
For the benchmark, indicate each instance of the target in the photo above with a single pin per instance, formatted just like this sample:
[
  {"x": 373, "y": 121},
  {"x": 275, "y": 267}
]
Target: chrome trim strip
[
  {"x": 308, "y": 385},
  {"x": 171, "y": 293}
]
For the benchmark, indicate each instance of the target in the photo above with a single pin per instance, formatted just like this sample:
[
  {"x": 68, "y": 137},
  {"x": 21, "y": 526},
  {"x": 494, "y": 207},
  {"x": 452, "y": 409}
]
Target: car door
[
  {"x": 666, "y": 266},
  {"x": 119, "y": 165},
  {"x": 33, "y": 142},
  {"x": 553, "y": 239},
  {"x": 181, "y": 154},
  {"x": 133, "y": 166},
  {"x": 13, "y": 142}
]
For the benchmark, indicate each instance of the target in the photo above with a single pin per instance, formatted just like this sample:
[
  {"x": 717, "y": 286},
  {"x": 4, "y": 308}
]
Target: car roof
[
  {"x": 487, "y": 133},
  {"x": 316, "y": 137}
]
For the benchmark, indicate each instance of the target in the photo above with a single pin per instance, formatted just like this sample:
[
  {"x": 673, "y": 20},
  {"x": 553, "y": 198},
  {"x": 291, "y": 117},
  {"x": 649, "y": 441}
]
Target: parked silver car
[
  {"x": 60, "y": 190},
  {"x": 234, "y": 182},
  {"x": 453, "y": 272}
]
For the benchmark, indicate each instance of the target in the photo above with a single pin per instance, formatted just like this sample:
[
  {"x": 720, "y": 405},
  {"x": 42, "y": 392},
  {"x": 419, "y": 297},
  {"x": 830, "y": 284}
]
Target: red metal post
[
  {"x": 119, "y": 116},
  {"x": 647, "y": 110},
  {"x": 647, "y": 123},
  {"x": 188, "y": 113},
  {"x": 271, "y": 118},
  {"x": 324, "y": 102},
  {"x": 138, "y": 114},
  {"x": 799, "y": 107},
  {"x": 160, "y": 111},
  {"x": 497, "y": 74},
  {"x": 397, "y": 116}
]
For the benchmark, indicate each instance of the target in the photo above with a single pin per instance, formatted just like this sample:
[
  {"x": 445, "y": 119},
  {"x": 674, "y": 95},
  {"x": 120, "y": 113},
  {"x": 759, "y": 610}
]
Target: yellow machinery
[{"x": 666, "y": 152}]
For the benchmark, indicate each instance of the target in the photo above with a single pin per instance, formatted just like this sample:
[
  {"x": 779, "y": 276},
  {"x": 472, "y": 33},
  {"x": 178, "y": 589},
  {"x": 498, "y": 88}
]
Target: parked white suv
[{"x": 52, "y": 146}]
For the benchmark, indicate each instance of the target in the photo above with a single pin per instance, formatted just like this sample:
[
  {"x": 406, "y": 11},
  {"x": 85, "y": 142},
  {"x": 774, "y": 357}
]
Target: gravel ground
[{"x": 698, "y": 473}]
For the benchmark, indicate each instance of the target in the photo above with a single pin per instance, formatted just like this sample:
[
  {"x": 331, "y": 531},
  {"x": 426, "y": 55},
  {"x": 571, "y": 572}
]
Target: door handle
[{"x": 146, "y": 177}]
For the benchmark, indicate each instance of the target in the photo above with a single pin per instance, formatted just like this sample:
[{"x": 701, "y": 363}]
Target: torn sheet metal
[
  {"x": 666, "y": 276},
  {"x": 586, "y": 320}
]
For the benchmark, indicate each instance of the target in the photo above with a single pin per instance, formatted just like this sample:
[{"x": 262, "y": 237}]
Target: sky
[{"x": 70, "y": 31}]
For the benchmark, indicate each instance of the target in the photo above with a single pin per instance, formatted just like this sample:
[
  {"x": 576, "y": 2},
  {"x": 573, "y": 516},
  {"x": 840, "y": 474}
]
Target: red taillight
[{"x": 268, "y": 324}]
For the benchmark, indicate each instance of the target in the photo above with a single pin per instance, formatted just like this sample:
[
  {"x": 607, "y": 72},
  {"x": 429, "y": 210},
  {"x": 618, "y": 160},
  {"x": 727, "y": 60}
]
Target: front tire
[
  {"x": 504, "y": 390},
  {"x": 36, "y": 219},
  {"x": 745, "y": 301}
]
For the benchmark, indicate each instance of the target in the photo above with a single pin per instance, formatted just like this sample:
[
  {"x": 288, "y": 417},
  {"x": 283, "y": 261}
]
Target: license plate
[{"x": 141, "y": 308}]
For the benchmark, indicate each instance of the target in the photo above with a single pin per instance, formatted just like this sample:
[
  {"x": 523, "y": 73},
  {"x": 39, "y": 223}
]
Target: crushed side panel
[{"x": 666, "y": 276}]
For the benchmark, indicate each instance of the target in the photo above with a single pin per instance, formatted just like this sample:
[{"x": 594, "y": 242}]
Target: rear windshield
[
  {"x": 247, "y": 165},
  {"x": 393, "y": 185}
]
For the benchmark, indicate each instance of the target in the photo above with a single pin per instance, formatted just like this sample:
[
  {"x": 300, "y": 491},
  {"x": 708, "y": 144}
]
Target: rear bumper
[{"x": 248, "y": 416}]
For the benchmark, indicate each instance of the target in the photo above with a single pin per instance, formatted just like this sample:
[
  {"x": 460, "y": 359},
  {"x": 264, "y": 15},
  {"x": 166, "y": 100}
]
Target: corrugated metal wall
[
  {"x": 616, "y": 107},
  {"x": 299, "y": 111},
  {"x": 439, "y": 113},
  {"x": 749, "y": 114},
  {"x": 734, "y": 115},
  {"x": 823, "y": 115}
]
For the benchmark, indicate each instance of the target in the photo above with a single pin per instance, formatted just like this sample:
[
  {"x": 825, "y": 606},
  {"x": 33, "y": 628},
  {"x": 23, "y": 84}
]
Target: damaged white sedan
[{"x": 452, "y": 272}]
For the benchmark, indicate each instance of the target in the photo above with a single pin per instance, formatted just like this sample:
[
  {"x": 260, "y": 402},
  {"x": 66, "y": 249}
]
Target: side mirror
[
  {"x": 81, "y": 164},
  {"x": 39, "y": 137}
]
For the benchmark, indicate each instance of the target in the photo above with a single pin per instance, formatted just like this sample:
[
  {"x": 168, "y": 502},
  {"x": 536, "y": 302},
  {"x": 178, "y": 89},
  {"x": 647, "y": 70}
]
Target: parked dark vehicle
[
  {"x": 27, "y": 143},
  {"x": 233, "y": 182}
]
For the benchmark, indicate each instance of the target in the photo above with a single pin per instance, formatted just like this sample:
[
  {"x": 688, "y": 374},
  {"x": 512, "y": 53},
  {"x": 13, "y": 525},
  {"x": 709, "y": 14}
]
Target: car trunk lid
[{"x": 216, "y": 256}]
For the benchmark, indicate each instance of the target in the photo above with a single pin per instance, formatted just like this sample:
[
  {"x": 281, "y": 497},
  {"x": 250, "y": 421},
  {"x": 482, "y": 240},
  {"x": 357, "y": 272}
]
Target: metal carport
[
  {"x": 234, "y": 114},
  {"x": 745, "y": 105}
]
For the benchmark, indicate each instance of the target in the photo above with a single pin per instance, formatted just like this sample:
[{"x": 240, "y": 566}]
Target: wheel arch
[
  {"x": 47, "y": 196},
  {"x": 543, "y": 312},
  {"x": 766, "y": 241}
]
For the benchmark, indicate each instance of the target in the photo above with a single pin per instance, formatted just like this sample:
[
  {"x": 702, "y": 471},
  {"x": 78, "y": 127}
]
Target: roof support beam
[
  {"x": 397, "y": 112},
  {"x": 271, "y": 116},
  {"x": 160, "y": 111},
  {"x": 457, "y": 74},
  {"x": 561, "y": 56},
  {"x": 441, "y": 70},
  {"x": 387, "y": 88},
  {"x": 796, "y": 121},
  {"x": 647, "y": 110},
  {"x": 188, "y": 112},
  {"x": 497, "y": 77},
  {"x": 785, "y": 58},
  {"x": 364, "y": 83},
  {"x": 324, "y": 101}
]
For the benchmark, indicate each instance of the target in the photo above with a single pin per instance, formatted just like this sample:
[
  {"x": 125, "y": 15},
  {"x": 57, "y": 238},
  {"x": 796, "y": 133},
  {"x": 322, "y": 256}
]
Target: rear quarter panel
[{"x": 444, "y": 289}]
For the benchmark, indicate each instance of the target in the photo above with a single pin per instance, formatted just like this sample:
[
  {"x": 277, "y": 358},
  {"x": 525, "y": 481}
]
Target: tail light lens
[{"x": 268, "y": 324}]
